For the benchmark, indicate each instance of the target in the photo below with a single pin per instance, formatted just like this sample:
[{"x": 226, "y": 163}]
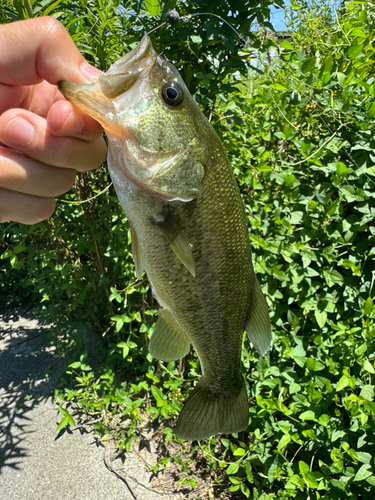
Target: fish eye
[{"x": 172, "y": 93}]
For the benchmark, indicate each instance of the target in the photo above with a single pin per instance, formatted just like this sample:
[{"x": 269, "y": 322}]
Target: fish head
[{"x": 158, "y": 137}]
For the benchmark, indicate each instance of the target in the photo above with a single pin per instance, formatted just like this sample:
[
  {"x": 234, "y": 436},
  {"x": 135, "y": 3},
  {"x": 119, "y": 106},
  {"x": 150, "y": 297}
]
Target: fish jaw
[
  {"x": 161, "y": 151},
  {"x": 89, "y": 99},
  {"x": 100, "y": 99}
]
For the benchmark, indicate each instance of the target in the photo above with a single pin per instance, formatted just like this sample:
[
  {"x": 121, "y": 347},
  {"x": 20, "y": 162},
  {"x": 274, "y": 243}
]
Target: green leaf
[
  {"x": 289, "y": 180},
  {"x": 324, "y": 420},
  {"x": 363, "y": 473},
  {"x": 303, "y": 467},
  {"x": 196, "y": 39},
  {"x": 125, "y": 348},
  {"x": 371, "y": 111},
  {"x": 284, "y": 441},
  {"x": 341, "y": 169},
  {"x": 307, "y": 415},
  {"x": 342, "y": 383},
  {"x": 119, "y": 324},
  {"x": 311, "y": 480},
  {"x": 245, "y": 490},
  {"x": 332, "y": 209},
  {"x": 66, "y": 420},
  {"x": 337, "y": 434},
  {"x": 235, "y": 480},
  {"x": 338, "y": 484},
  {"x": 332, "y": 277},
  {"x": 240, "y": 452},
  {"x": 14, "y": 261},
  {"x": 153, "y": 7},
  {"x": 7, "y": 254},
  {"x": 279, "y": 86},
  {"x": 294, "y": 387},
  {"x": 233, "y": 468},
  {"x": 75, "y": 365},
  {"x": 368, "y": 307},
  {"x": 308, "y": 65},
  {"x": 368, "y": 366},
  {"x": 321, "y": 317},
  {"x": 355, "y": 50},
  {"x": 364, "y": 457},
  {"x": 19, "y": 249},
  {"x": 235, "y": 487},
  {"x": 286, "y": 45},
  {"x": 367, "y": 392},
  {"x": 85, "y": 367},
  {"x": 158, "y": 395},
  {"x": 314, "y": 365},
  {"x": 63, "y": 423}
]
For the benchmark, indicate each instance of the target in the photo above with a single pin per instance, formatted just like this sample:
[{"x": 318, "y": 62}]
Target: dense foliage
[{"x": 300, "y": 137}]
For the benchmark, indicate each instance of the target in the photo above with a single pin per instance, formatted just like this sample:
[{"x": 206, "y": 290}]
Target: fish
[{"x": 188, "y": 230}]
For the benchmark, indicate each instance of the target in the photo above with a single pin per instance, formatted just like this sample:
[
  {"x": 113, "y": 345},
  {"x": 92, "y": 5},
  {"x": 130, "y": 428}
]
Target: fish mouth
[
  {"x": 118, "y": 97},
  {"x": 98, "y": 99}
]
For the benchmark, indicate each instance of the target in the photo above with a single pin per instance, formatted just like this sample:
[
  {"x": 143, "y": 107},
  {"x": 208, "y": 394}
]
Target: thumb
[{"x": 40, "y": 49}]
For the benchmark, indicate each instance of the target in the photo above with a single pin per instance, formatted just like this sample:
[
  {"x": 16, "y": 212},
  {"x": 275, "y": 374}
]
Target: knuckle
[
  {"x": 52, "y": 26},
  {"x": 64, "y": 154}
]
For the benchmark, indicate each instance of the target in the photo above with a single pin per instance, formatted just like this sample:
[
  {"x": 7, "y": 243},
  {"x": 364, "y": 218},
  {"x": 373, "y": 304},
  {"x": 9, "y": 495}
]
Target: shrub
[{"x": 300, "y": 137}]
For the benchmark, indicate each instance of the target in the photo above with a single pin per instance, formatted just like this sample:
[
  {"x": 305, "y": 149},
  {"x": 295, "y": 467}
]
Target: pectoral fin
[
  {"x": 168, "y": 341},
  {"x": 136, "y": 250},
  {"x": 178, "y": 240},
  {"x": 258, "y": 325}
]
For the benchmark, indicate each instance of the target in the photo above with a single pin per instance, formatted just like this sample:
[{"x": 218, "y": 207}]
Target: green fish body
[{"x": 188, "y": 228}]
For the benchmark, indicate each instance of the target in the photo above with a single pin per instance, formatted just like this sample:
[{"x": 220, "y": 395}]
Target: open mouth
[{"x": 99, "y": 99}]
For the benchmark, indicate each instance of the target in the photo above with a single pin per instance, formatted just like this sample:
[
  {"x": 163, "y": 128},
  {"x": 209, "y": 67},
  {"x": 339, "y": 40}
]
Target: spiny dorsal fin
[
  {"x": 258, "y": 325},
  {"x": 177, "y": 239},
  {"x": 168, "y": 341}
]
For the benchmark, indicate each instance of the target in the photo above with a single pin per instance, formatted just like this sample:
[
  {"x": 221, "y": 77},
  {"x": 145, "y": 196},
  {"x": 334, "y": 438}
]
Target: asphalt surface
[{"x": 36, "y": 463}]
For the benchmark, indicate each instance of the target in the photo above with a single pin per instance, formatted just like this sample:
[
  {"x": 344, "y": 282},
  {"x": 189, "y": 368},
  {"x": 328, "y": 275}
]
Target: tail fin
[{"x": 209, "y": 411}]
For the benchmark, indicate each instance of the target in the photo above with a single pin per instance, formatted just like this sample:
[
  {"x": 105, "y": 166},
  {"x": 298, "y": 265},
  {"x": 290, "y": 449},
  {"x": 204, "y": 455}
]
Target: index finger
[{"x": 39, "y": 49}]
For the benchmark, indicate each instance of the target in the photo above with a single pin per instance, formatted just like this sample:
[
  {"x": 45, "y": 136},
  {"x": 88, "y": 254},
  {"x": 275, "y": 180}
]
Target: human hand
[{"x": 47, "y": 138}]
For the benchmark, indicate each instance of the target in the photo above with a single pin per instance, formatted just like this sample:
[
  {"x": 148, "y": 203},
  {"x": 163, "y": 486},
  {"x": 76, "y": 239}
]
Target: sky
[{"x": 278, "y": 18}]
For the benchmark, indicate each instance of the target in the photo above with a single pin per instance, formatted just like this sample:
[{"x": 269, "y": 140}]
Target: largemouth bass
[{"x": 188, "y": 229}]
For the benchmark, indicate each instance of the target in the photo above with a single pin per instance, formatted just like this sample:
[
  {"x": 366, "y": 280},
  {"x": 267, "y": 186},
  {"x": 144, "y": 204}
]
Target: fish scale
[{"x": 189, "y": 231}]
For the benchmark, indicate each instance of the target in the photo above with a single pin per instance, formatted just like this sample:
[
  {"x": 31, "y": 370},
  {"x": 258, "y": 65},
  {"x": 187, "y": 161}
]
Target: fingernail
[
  {"x": 89, "y": 72},
  {"x": 19, "y": 132}
]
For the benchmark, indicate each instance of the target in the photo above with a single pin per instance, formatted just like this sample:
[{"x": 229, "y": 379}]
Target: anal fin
[
  {"x": 168, "y": 341},
  {"x": 258, "y": 324}
]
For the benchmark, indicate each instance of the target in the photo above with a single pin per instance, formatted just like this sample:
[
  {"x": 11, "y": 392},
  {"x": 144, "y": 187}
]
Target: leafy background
[{"x": 296, "y": 117}]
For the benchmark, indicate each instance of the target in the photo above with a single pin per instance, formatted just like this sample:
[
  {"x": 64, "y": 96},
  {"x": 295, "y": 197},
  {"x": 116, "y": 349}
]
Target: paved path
[{"x": 36, "y": 463}]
